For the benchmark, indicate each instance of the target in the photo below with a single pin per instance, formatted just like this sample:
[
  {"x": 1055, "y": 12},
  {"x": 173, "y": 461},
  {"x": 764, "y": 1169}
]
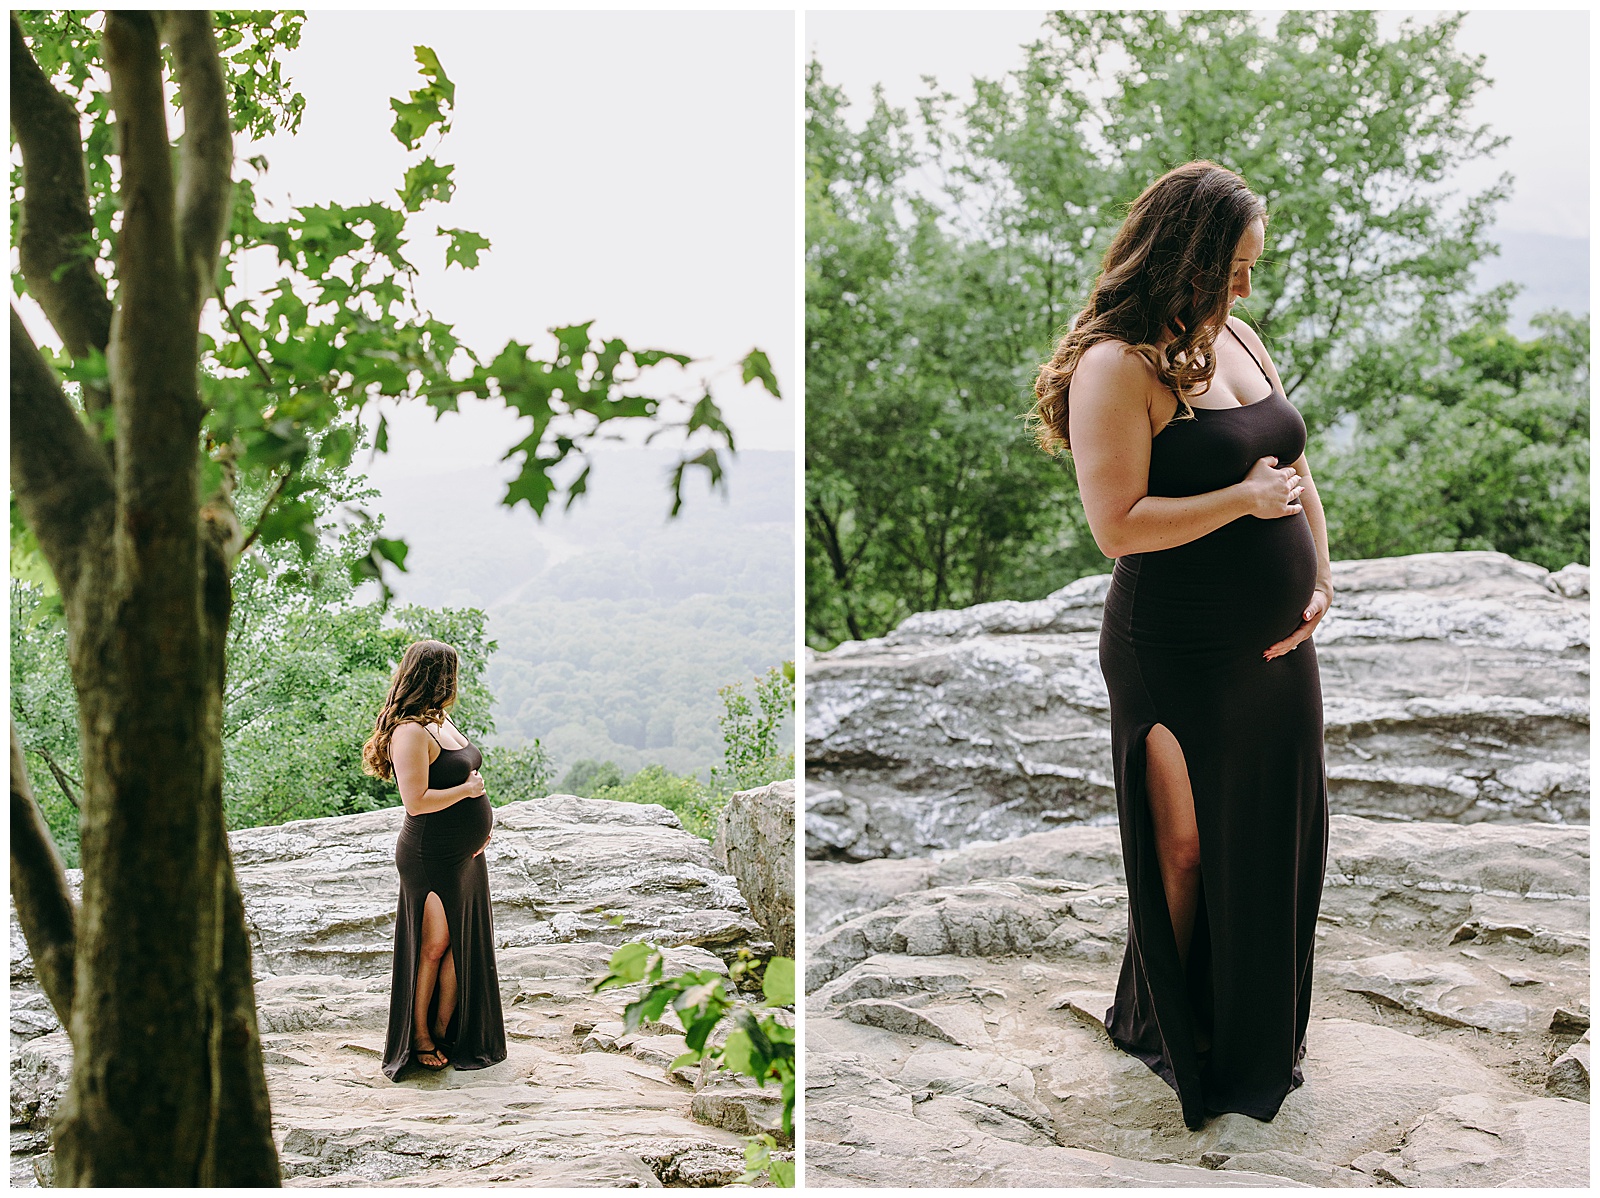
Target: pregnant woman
[
  {"x": 1197, "y": 483},
  {"x": 444, "y": 996}
]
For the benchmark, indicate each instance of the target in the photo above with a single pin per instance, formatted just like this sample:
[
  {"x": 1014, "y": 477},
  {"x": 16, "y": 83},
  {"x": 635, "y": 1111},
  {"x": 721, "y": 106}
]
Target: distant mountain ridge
[{"x": 616, "y": 625}]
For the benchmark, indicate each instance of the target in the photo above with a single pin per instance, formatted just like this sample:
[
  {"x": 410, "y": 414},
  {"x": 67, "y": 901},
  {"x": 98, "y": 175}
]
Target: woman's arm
[
  {"x": 1109, "y": 422},
  {"x": 408, "y": 750}
]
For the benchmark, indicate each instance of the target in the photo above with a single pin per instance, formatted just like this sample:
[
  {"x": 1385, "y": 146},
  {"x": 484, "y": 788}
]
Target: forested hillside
[{"x": 616, "y": 626}]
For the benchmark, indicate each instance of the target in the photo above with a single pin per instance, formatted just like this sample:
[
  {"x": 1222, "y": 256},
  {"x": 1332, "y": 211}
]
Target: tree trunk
[{"x": 167, "y": 1087}]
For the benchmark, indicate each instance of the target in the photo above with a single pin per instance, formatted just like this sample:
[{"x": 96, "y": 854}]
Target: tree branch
[
  {"x": 56, "y": 240},
  {"x": 277, "y": 490},
  {"x": 244, "y": 1114},
  {"x": 205, "y": 155},
  {"x": 147, "y": 251},
  {"x": 39, "y": 889},
  {"x": 63, "y": 779},
  {"x": 154, "y": 350},
  {"x": 238, "y": 327},
  {"x": 241, "y": 1151},
  {"x": 60, "y": 476}
]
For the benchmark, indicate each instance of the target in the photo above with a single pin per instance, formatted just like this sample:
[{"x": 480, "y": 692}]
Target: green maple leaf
[
  {"x": 464, "y": 248},
  {"x": 427, "y": 181},
  {"x": 758, "y": 369},
  {"x": 533, "y": 486}
]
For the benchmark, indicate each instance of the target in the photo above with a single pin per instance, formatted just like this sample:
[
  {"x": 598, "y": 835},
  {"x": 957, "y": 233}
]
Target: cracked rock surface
[
  {"x": 575, "y": 1103},
  {"x": 1455, "y": 688},
  {"x": 954, "y": 1000}
]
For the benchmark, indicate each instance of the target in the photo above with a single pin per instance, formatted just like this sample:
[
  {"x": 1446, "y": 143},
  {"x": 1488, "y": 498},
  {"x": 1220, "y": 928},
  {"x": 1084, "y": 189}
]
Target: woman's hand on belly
[
  {"x": 1311, "y": 617},
  {"x": 486, "y": 841},
  {"x": 1273, "y": 491}
]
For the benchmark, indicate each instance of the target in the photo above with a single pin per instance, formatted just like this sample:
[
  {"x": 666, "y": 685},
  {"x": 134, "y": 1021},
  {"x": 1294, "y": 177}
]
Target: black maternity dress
[
  {"x": 438, "y": 853},
  {"x": 1180, "y": 645}
]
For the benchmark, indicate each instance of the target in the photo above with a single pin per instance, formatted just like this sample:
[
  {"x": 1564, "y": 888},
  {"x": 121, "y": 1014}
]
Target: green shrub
[
  {"x": 587, "y": 776},
  {"x": 759, "y": 1046},
  {"x": 752, "y": 752},
  {"x": 690, "y": 799},
  {"x": 511, "y": 775}
]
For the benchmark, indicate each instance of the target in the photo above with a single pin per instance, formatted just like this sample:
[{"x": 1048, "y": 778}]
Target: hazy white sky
[
  {"x": 633, "y": 168},
  {"x": 1538, "y": 61}
]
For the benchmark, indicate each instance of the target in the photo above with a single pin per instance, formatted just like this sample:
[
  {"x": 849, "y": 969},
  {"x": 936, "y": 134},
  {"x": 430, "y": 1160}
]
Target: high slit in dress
[
  {"x": 1180, "y": 645},
  {"x": 438, "y": 853}
]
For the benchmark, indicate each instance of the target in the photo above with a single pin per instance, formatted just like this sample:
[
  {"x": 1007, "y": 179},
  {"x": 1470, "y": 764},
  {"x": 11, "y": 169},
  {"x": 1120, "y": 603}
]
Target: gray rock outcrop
[
  {"x": 953, "y": 1034},
  {"x": 569, "y": 1106},
  {"x": 755, "y": 843},
  {"x": 1455, "y": 688},
  {"x": 1569, "y": 1076}
]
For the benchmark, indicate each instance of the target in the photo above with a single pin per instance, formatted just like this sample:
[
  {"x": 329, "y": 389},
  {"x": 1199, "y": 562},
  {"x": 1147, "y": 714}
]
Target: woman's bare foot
[{"x": 429, "y": 1056}]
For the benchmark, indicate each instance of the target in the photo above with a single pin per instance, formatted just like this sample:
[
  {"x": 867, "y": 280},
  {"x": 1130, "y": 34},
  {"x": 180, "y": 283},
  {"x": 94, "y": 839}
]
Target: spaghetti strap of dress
[{"x": 1253, "y": 357}]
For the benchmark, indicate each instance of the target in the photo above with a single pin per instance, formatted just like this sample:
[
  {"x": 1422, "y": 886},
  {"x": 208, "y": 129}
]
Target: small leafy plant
[
  {"x": 759, "y": 1046},
  {"x": 751, "y": 754}
]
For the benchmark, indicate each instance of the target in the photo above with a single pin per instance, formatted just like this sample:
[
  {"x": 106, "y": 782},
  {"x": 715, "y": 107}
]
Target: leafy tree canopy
[
  {"x": 289, "y": 367},
  {"x": 948, "y": 245}
]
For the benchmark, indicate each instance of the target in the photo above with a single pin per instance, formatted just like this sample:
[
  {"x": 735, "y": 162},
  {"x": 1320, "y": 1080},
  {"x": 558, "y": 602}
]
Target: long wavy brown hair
[
  {"x": 1167, "y": 269},
  {"x": 424, "y": 685}
]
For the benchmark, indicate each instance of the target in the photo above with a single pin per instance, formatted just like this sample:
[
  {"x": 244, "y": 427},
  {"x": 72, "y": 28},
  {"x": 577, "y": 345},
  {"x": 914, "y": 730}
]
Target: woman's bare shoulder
[
  {"x": 1248, "y": 335},
  {"x": 1111, "y": 370},
  {"x": 408, "y": 733}
]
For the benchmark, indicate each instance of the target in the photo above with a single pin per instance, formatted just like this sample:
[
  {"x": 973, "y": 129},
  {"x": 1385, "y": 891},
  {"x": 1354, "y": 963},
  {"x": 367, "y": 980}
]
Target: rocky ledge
[
  {"x": 953, "y": 1034},
  {"x": 1456, "y": 687},
  {"x": 576, "y": 1103}
]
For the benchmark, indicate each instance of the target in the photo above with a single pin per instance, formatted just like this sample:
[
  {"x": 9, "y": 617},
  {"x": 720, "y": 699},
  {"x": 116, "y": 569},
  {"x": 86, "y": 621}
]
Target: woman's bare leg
[
  {"x": 435, "y": 945},
  {"x": 447, "y": 995},
  {"x": 1177, "y": 835}
]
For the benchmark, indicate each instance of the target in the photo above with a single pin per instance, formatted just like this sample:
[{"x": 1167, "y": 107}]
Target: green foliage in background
[
  {"x": 587, "y": 776},
  {"x": 309, "y": 665},
  {"x": 45, "y": 710},
  {"x": 631, "y": 680},
  {"x": 694, "y": 803},
  {"x": 759, "y": 1046},
  {"x": 513, "y": 773},
  {"x": 752, "y": 747},
  {"x": 752, "y": 756},
  {"x": 1478, "y": 443},
  {"x": 947, "y": 247}
]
